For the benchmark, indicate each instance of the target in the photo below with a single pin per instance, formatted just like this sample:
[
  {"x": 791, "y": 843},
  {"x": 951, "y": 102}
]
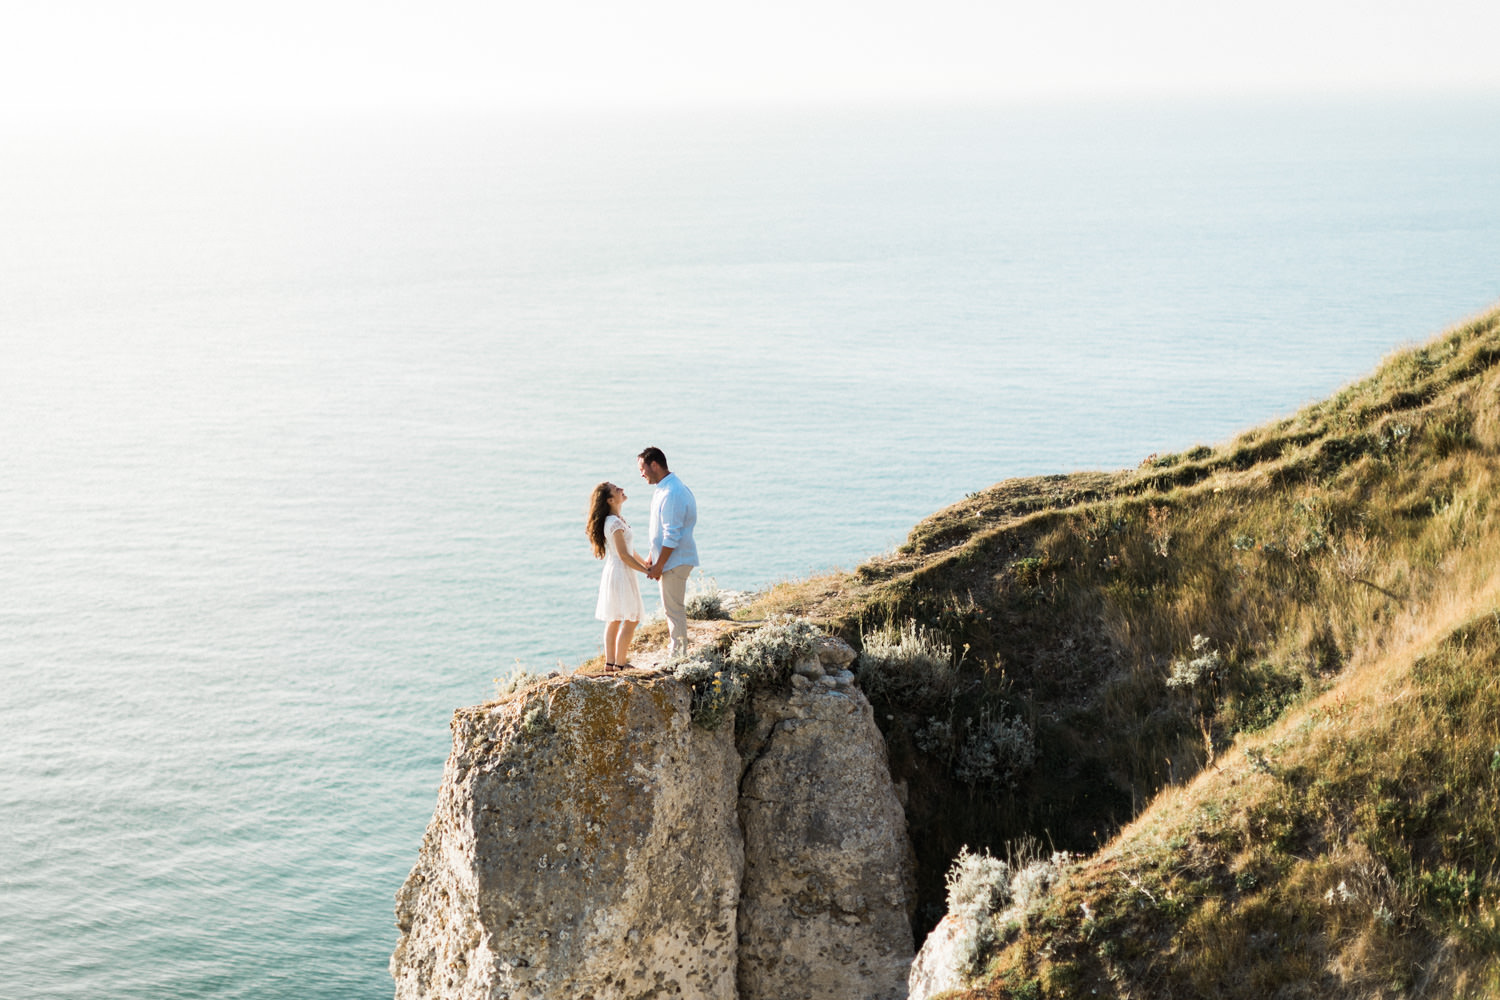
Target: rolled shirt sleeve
[{"x": 671, "y": 521}]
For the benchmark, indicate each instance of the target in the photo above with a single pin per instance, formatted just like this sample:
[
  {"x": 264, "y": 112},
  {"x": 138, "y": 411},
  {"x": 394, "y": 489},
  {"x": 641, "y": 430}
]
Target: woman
[{"x": 619, "y": 605}]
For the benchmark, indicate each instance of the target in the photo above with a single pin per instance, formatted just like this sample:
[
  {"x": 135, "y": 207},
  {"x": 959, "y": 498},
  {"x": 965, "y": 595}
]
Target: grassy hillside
[{"x": 1255, "y": 684}]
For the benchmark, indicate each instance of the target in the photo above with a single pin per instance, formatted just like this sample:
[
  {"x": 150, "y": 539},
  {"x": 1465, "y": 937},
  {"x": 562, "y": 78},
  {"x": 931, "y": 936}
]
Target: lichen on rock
[
  {"x": 828, "y": 890},
  {"x": 590, "y": 841},
  {"x": 555, "y": 864}
]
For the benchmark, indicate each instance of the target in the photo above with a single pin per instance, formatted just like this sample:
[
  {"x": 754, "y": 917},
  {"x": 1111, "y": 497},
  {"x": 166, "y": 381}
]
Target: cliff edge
[{"x": 591, "y": 840}]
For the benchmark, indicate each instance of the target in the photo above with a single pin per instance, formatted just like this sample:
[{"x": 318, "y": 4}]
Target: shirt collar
[{"x": 662, "y": 482}]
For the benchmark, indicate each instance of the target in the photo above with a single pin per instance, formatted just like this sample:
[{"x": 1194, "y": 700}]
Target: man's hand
[{"x": 654, "y": 573}]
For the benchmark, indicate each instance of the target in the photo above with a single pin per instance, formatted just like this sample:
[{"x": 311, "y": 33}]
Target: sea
[{"x": 298, "y": 418}]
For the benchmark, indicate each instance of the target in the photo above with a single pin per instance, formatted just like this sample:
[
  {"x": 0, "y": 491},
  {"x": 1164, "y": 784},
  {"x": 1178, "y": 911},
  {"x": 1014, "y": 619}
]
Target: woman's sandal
[{"x": 610, "y": 668}]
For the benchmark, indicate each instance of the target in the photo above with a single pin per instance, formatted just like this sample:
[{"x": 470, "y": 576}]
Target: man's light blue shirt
[{"x": 673, "y": 514}]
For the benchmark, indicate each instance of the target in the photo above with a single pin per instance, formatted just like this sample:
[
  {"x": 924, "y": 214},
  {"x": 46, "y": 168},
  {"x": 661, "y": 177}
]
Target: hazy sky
[{"x": 113, "y": 57}]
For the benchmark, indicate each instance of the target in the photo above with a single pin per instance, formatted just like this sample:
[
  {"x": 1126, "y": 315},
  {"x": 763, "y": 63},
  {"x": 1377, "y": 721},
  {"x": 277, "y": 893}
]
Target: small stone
[
  {"x": 844, "y": 678},
  {"x": 800, "y": 682},
  {"x": 809, "y": 668},
  {"x": 835, "y": 653},
  {"x": 828, "y": 682}
]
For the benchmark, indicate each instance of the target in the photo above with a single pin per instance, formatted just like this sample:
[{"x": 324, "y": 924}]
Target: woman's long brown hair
[{"x": 598, "y": 511}]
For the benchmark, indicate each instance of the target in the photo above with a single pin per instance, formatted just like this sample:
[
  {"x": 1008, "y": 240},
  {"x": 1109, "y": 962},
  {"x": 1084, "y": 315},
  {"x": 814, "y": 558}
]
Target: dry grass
[
  {"x": 1341, "y": 562},
  {"x": 1349, "y": 851}
]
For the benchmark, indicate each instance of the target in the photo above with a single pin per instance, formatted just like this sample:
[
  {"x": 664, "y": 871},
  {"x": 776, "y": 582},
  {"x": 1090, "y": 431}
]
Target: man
[{"x": 673, "y": 554}]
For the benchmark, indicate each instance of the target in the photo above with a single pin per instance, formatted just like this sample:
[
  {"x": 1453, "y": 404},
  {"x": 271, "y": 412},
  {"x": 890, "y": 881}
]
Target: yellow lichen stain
[
  {"x": 603, "y": 740},
  {"x": 594, "y": 740},
  {"x": 663, "y": 699}
]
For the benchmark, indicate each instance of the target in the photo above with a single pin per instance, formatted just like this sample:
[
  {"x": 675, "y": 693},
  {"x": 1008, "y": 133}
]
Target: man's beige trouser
[{"x": 674, "y": 605}]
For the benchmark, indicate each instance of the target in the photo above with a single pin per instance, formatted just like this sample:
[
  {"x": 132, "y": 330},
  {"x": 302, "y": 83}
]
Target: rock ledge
[{"x": 590, "y": 842}]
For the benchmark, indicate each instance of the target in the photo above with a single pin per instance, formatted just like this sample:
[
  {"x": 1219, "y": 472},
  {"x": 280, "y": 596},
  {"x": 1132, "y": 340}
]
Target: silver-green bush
[
  {"x": 521, "y": 677},
  {"x": 996, "y": 752},
  {"x": 1205, "y": 665},
  {"x": 704, "y": 602},
  {"x": 705, "y": 607},
  {"x": 758, "y": 659},
  {"x": 906, "y": 663},
  {"x": 936, "y": 737},
  {"x": 985, "y": 894},
  {"x": 766, "y": 656},
  {"x": 978, "y": 888},
  {"x": 977, "y": 883}
]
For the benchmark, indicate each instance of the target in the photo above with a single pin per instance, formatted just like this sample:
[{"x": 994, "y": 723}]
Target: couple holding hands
[{"x": 673, "y": 556}]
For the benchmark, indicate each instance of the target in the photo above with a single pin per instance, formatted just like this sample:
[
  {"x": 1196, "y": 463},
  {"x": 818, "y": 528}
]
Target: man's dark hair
[{"x": 653, "y": 455}]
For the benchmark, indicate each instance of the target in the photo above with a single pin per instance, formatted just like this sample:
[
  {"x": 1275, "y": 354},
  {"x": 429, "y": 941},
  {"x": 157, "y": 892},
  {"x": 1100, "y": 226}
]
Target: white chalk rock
[
  {"x": 585, "y": 843},
  {"x": 939, "y": 965},
  {"x": 829, "y": 884}
]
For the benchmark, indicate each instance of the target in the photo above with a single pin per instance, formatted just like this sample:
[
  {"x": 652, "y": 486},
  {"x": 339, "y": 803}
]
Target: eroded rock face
[
  {"x": 825, "y": 907},
  {"x": 585, "y": 844},
  {"x": 590, "y": 842}
]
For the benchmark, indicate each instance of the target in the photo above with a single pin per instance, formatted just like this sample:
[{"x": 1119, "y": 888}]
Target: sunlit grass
[{"x": 1339, "y": 568}]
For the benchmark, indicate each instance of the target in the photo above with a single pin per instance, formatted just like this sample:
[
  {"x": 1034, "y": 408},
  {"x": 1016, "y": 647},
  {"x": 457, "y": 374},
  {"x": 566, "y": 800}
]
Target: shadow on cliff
[{"x": 1136, "y": 624}]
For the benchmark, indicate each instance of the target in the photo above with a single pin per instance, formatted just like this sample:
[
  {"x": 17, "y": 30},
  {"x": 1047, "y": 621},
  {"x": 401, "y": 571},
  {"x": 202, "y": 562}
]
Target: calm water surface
[{"x": 300, "y": 419}]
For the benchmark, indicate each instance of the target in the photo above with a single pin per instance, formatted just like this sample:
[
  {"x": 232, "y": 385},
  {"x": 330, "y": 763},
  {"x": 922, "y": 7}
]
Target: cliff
[
  {"x": 591, "y": 840},
  {"x": 1246, "y": 694},
  {"x": 1253, "y": 687}
]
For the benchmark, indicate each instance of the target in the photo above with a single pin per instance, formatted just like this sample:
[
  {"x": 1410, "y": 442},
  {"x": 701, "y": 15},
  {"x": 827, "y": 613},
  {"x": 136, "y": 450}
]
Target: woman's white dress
[{"x": 619, "y": 593}]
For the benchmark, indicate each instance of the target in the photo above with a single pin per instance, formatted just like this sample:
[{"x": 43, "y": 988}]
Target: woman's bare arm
[{"x": 626, "y": 557}]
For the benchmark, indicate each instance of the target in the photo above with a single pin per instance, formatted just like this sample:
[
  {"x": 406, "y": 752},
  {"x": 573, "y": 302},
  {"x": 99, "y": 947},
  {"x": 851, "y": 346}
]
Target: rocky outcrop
[
  {"x": 590, "y": 841},
  {"x": 585, "y": 844},
  {"x": 987, "y": 900},
  {"x": 944, "y": 960},
  {"x": 823, "y": 911}
]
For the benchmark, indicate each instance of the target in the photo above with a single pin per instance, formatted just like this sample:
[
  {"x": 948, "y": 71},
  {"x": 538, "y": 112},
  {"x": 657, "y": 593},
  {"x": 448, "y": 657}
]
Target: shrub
[
  {"x": 1028, "y": 571},
  {"x": 759, "y": 659},
  {"x": 996, "y": 753},
  {"x": 978, "y": 888},
  {"x": 705, "y": 607},
  {"x": 1032, "y": 881},
  {"x": 706, "y": 603},
  {"x": 716, "y": 698},
  {"x": 909, "y": 663},
  {"x": 1205, "y": 666},
  {"x": 977, "y": 883},
  {"x": 766, "y": 656},
  {"x": 698, "y": 668},
  {"x": 535, "y": 722},
  {"x": 1449, "y": 888},
  {"x": 935, "y": 736},
  {"x": 519, "y": 678},
  {"x": 985, "y": 894}
]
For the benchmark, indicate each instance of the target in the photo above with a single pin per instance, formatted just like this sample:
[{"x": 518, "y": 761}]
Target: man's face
[{"x": 650, "y": 473}]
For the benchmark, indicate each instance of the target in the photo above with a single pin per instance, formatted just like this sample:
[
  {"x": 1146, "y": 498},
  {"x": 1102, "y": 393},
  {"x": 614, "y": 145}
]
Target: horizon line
[{"x": 74, "y": 116}]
